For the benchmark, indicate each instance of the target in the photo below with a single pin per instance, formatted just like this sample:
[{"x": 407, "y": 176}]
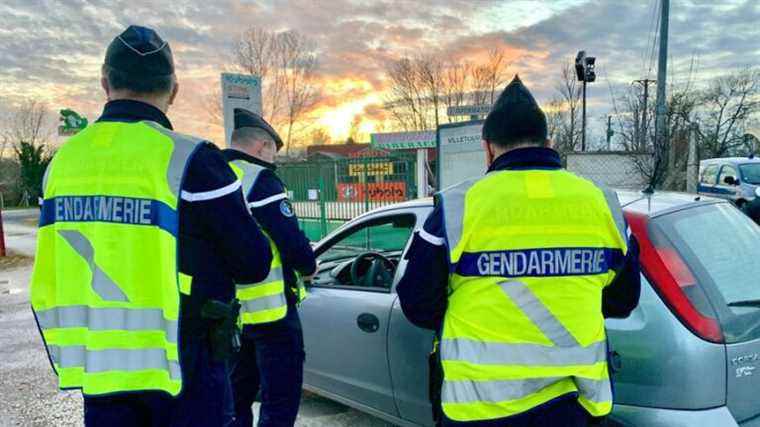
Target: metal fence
[{"x": 328, "y": 192}]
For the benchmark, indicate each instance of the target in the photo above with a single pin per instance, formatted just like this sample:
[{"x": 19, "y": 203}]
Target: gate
[{"x": 328, "y": 192}]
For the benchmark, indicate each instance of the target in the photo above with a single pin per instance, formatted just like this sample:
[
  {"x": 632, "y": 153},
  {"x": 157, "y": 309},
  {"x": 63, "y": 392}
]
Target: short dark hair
[
  {"x": 119, "y": 80},
  {"x": 249, "y": 135},
  {"x": 509, "y": 143}
]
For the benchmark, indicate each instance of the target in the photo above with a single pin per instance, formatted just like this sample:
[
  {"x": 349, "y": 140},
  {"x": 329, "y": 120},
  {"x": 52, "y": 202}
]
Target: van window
[
  {"x": 709, "y": 175},
  {"x": 721, "y": 247},
  {"x": 726, "y": 172},
  {"x": 750, "y": 173}
]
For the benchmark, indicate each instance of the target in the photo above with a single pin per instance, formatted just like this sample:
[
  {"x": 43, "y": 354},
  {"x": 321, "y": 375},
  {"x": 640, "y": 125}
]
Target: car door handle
[{"x": 368, "y": 322}]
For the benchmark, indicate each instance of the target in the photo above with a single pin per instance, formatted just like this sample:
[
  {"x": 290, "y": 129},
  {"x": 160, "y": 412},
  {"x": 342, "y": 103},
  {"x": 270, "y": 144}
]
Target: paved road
[
  {"x": 20, "y": 214},
  {"x": 29, "y": 394},
  {"x": 20, "y": 230}
]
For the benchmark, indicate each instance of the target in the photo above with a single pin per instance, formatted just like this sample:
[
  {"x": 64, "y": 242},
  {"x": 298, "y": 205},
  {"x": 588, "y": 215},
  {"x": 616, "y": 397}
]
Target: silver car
[{"x": 687, "y": 356}]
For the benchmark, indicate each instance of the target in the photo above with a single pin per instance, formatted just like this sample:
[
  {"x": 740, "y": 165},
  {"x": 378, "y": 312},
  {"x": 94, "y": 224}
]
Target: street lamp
[{"x": 584, "y": 69}]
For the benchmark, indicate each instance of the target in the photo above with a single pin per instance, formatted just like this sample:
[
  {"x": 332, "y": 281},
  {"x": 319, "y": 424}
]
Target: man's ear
[
  {"x": 106, "y": 88},
  {"x": 175, "y": 90},
  {"x": 489, "y": 151}
]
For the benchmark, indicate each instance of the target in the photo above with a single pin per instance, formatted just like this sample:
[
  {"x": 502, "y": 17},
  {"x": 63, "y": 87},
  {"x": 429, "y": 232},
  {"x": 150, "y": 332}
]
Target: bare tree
[
  {"x": 407, "y": 101},
  {"x": 28, "y": 132},
  {"x": 666, "y": 165},
  {"x": 455, "y": 84},
  {"x": 319, "y": 137},
  {"x": 430, "y": 70},
  {"x": 256, "y": 53},
  {"x": 488, "y": 77},
  {"x": 554, "y": 125},
  {"x": 298, "y": 65},
  {"x": 32, "y": 123},
  {"x": 568, "y": 129},
  {"x": 421, "y": 87},
  {"x": 287, "y": 64},
  {"x": 630, "y": 124},
  {"x": 726, "y": 107}
]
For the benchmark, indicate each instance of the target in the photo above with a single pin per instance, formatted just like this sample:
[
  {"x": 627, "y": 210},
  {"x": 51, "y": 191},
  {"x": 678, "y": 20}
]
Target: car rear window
[{"x": 721, "y": 248}]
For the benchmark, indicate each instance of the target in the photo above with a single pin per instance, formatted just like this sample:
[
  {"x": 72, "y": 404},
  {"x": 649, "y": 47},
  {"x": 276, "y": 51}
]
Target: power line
[{"x": 651, "y": 30}]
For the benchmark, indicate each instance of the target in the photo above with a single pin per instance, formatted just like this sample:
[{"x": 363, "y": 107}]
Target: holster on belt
[{"x": 224, "y": 333}]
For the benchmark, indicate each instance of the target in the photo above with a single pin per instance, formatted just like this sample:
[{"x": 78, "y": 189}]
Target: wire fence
[{"x": 674, "y": 167}]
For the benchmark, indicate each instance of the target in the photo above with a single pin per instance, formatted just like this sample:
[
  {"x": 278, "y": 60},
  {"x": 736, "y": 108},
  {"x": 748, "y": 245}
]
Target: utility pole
[
  {"x": 583, "y": 137},
  {"x": 2, "y": 236},
  {"x": 610, "y": 132},
  {"x": 584, "y": 70},
  {"x": 661, "y": 133},
  {"x": 645, "y": 111}
]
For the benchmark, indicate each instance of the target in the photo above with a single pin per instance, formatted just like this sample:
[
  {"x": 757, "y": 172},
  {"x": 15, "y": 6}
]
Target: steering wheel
[{"x": 379, "y": 273}]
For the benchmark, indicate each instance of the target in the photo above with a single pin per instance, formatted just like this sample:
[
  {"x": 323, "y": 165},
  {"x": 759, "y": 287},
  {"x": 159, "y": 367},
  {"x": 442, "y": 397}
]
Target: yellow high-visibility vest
[
  {"x": 530, "y": 252},
  {"x": 105, "y": 288},
  {"x": 265, "y": 301}
]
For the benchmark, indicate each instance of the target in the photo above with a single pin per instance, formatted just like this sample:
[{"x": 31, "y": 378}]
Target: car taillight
[{"x": 671, "y": 277}]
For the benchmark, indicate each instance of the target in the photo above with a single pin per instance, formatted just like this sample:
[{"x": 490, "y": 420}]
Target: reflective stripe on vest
[
  {"x": 265, "y": 301},
  {"x": 519, "y": 243},
  {"x": 105, "y": 288}
]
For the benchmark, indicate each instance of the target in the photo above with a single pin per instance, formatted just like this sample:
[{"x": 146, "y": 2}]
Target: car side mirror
[{"x": 730, "y": 180}]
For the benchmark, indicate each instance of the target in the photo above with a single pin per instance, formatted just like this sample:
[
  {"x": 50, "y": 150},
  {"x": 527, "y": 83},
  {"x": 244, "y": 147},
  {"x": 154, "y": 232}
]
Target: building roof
[{"x": 331, "y": 150}]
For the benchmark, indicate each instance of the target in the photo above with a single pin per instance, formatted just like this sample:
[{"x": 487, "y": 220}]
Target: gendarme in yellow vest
[
  {"x": 265, "y": 301},
  {"x": 530, "y": 252},
  {"x": 105, "y": 288}
]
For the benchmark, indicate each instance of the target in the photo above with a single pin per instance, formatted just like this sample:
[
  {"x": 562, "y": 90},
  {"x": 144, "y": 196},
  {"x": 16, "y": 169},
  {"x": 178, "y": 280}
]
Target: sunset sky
[{"x": 52, "y": 51}]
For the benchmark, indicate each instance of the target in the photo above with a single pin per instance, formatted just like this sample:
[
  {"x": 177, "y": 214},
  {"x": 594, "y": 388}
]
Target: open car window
[{"x": 387, "y": 234}]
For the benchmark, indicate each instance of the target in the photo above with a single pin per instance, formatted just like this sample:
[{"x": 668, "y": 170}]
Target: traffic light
[{"x": 584, "y": 67}]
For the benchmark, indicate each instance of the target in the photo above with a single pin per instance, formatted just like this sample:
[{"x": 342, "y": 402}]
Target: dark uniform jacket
[
  {"x": 274, "y": 213},
  {"x": 423, "y": 290},
  {"x": 219, "y": 242}
]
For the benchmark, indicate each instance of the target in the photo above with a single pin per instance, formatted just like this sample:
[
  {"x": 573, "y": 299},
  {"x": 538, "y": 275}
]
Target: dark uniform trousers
[{"x": 271, "y": 362}]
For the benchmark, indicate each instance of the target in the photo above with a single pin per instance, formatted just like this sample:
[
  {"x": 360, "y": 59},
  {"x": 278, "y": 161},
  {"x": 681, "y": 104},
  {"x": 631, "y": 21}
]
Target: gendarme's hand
[{"x": 310, "y": 277}]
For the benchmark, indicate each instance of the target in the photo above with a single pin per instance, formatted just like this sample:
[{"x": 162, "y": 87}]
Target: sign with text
[
  {"x": 239, "y": 91},
  {"x": 71, "y": 122},
  {"x": 403, "y": 140},
  {"x": 469, "y": 110},
  {"x": 460, "y": 155},
  {"x": 358, "y": 169},
  {"x": 376, "y": 192}
]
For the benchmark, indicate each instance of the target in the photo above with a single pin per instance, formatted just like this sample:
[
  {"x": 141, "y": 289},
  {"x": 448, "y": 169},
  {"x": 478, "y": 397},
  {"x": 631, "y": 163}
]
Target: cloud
[{"x": 53, "y": 52}]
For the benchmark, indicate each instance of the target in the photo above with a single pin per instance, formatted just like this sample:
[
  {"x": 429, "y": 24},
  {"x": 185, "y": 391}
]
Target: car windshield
[
  {"x": 384, "y": 235},
  {"x": 721, "y": 247},
  {"x": 751, "y": 173}
]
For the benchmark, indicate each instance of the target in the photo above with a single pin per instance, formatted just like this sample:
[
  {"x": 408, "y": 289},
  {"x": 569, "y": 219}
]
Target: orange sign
[{"x": 377, "y": 192}]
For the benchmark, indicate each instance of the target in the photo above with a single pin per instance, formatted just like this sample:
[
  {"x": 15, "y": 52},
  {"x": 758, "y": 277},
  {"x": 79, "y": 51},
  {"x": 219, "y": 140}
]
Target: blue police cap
[
  {"x": 141, "y": 53},
  {"x": 245, "y": 118}
]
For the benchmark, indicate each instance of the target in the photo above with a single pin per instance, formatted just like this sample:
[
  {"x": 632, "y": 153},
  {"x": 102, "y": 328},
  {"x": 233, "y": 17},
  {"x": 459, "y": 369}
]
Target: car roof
[
  {"x": 661, "y": 202},
  {"x": 730, "y": 160},
  {"x": 635, "y": 202}
]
